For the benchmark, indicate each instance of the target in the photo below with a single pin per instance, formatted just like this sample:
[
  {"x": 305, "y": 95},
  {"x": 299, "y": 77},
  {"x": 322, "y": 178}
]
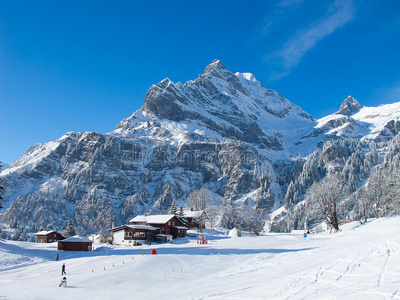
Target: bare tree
[
  {"x": 326, "y": 195},
  {"x": 213, "y": 210},
  {"x": 198, "y": 199},
  {"x": 252, "y": 219},
  {"x": 229, "y": 216}
]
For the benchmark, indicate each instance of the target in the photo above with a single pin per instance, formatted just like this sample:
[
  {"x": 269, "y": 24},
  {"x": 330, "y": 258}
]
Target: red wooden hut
[{"x": 75, "y": 243}]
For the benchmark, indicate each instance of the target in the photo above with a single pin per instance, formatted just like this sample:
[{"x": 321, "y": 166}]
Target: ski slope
[{"x": 359, "y": 262}]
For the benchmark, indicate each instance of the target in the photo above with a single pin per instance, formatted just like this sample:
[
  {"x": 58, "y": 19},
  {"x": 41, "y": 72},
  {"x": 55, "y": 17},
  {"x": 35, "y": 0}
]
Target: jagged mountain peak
[
  {"x": 227, "y": 104},
  {"x": 215, "y": 65},
  {"x": 164, "y": 83},
  {"x": 350, "y": 106}
]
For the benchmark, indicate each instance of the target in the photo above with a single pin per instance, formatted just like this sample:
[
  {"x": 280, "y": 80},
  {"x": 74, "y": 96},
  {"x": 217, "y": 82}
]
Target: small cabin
[
  {"x": 48, "y": 236},
  {"x": 75, "y": 243},
  {"x": 132, "y": 235}
]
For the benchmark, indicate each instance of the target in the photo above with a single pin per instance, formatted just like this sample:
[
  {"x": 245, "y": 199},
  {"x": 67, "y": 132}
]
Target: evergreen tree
[
  {"x": 69, "y": 229},
  {"x": 180, "y": 211},
  {"x": 172, "y": 209}
]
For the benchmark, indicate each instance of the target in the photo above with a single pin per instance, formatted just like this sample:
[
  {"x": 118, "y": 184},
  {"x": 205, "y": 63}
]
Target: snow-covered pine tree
[
  {"x": 172, "y": 209},
  {"x": 290, "y": 198},
  {"x": 376, "y": 192},
  {"x": 181, "y": 214},
  {"x": 69, "y": 229}
]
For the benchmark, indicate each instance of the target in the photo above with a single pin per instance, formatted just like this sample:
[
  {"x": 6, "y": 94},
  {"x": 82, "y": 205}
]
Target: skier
[
  {"x": 63, "y": 282},
  {"x": 63, "y": 270},
  {"x": 57, "y": 257}
]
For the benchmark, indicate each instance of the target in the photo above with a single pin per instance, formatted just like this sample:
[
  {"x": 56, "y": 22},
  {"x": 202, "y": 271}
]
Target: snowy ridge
[
  {"x": 366, "y": 123},
  {"x": 224, "y": 131},
  {"x": 219, "y": 105}
]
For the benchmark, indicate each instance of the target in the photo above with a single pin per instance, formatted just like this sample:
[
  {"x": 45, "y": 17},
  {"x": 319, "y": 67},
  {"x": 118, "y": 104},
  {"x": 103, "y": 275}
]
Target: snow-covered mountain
[
  {"x": 215, "y": 106},
  {"x": 225, "y": 131},
  {"x": 363, "y": 123}
]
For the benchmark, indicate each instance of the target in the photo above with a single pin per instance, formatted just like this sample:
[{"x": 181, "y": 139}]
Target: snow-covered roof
[
  {"x": 44, "y": 232},
  {"x": 155, "y": 219},
  {"x": 77, "y": 239},
  {"x": 192, "y": 213},
  {"x": 144, "y": 227},
  {"x": 139, "y": 218}
]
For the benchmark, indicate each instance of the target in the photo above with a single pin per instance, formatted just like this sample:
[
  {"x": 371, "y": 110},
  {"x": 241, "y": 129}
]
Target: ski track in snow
[{"x": 360, "y": 262}]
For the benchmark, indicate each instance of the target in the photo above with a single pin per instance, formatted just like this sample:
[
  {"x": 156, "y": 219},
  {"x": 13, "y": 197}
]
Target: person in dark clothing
[
  {"x": 57, "y": 257},
  {"x": 63, "y": 270}
]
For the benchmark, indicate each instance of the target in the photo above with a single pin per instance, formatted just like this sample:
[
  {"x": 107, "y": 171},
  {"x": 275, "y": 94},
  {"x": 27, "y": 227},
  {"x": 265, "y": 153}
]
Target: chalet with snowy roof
[
  {"x": 193, "y": 217},
  {"x": 133, "y": 235},
  {"x": 48, "y": 236},
  {"x": 166, "y": 224},
  {"x": 75, "y": 243}
]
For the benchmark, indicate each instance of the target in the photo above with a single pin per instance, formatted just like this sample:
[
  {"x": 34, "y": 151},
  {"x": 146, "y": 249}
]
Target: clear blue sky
[{"x": 86, "y": 65}]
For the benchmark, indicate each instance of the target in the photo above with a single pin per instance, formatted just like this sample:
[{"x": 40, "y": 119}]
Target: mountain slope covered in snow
[
  {"x": 360, "y": 262},
  {"x": 224, "y": 131},
  {"x": 363, "y": 123}
]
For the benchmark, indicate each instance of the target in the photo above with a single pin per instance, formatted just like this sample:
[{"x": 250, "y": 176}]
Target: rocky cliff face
[{"x": 222, "y": 130}]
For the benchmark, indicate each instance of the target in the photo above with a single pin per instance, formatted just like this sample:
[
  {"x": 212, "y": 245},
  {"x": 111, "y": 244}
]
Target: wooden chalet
[
  {"x": 75, "y": 243},
  {"x": 165, "y": 224},
  {"x": 132, "y": 235},
  {"x": 48, "y": 236},
  {"x": 193, "y": 217}
]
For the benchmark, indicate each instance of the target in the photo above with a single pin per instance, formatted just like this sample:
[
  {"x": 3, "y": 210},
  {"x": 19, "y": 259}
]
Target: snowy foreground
[{"x": 360, "y": 262}]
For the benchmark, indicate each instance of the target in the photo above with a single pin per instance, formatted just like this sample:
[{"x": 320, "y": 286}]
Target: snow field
[{"x": 360, "y": 262}]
